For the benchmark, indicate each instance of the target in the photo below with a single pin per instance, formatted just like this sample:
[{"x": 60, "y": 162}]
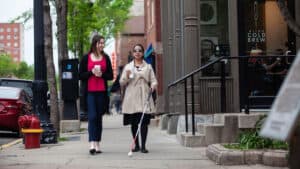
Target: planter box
[{"x": 224, "y": 156}]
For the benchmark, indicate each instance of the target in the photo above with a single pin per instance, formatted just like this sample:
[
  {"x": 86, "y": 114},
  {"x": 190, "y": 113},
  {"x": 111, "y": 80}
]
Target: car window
[
  {"x": 20, "y": 84},
  {"x": 7, "y": 93}
]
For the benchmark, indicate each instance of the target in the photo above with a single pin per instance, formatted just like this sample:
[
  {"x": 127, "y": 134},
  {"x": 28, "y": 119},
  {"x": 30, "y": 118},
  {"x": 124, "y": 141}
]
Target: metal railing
[
  {"x": 244, "y": 62},
  {"x": 191, "y": 75}
]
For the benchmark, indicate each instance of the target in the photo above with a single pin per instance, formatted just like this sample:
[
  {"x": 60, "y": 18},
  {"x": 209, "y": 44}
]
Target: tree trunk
[
  {"x": 54, "y": 115},
  {"x": 61, "y": 23},
  {"x": 292, "y": 24}
]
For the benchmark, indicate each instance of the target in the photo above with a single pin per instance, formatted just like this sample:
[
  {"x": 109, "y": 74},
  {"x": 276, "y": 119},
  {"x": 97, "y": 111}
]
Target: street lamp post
[{"x": 40, "y": 86}]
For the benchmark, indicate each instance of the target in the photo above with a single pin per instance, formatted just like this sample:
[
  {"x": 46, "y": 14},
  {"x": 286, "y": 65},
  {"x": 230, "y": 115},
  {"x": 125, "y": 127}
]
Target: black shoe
[
  {"x": 98, "y": 151},
  {"x": 143, "y": 150},
  {"x": 92, "y": 151},
  {"x": 136, "y": 149}
]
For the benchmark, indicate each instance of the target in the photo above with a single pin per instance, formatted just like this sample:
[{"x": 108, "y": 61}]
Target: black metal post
[
  {"x": 246, "y": 82},
  {"x": 193, "y": 106},
  {"x": 223, "y": 87},
  {"x": 186, "y": 107},
  {"x": 40, "y": 86},
  {"x": 293, "y": 158}
]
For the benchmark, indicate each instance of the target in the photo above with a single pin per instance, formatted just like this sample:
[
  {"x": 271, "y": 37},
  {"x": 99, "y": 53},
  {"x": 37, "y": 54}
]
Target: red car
[{"x": 14, "y": 102}]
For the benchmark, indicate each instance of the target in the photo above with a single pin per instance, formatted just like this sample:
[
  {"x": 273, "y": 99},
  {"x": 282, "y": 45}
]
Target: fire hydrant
[{"x": 30, "y": 127}]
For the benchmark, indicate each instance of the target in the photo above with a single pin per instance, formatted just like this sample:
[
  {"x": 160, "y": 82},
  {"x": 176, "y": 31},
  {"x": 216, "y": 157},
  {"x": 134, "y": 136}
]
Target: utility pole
[{"x": 40, "y": 86}]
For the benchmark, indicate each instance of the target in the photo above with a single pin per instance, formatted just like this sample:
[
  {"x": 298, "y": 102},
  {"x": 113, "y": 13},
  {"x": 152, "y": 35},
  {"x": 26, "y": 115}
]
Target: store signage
[
  {"x": 256, "y": 36},
  {"x": 285, "y": 110}
]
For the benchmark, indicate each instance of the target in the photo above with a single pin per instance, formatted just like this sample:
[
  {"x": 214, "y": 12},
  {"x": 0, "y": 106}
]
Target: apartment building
[
  {"x": 132, "y": 33},
  {"x": 12, "y": 40}
]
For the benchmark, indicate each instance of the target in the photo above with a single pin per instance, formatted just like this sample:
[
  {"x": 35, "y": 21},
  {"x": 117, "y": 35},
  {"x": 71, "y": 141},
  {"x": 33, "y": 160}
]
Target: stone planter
[{"x": 224, "y": 156}]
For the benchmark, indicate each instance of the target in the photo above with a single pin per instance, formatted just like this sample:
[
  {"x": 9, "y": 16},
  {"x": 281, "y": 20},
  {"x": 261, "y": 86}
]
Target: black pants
[{"x": 143, "y": 134}]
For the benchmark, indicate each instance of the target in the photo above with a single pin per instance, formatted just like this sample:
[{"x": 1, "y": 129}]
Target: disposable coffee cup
[
  {"x": 131, "y": 76},
  {"x": 97, "y": 68}
]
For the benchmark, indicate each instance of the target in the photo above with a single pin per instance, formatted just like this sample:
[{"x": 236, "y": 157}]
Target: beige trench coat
[{"x": 137, "y": 88}]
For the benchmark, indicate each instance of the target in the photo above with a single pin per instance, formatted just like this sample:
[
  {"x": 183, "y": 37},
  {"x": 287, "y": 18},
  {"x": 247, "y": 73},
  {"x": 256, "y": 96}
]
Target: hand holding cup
[
  {"x": 97, "y": 70},
  {"x": 129, "y": 74}
]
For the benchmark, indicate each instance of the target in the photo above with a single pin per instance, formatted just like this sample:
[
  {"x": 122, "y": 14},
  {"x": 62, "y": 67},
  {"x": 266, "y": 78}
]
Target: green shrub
[{"x": 250, "y": 139}]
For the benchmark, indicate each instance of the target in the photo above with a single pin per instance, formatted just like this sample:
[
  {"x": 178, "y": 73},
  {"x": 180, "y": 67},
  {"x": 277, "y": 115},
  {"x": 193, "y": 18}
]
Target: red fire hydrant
[{"x": 30, "y": 127}]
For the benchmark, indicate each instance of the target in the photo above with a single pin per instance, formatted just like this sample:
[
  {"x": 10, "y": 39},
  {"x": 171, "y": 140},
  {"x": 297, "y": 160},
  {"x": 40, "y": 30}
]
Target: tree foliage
[
  {"x": 106, "y": 17},
  {"x": 24, "y": 71},
  {"x": 8, "y": 68}
]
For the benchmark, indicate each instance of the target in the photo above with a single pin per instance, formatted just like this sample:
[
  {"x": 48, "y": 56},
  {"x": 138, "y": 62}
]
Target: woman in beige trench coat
[{"x": 138, "y": 78}]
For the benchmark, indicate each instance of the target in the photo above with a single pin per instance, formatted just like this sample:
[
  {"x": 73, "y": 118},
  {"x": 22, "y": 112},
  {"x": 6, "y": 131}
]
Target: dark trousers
[
  {"x": 143, "y": 133},
  {"x": 95, "y": 103}
]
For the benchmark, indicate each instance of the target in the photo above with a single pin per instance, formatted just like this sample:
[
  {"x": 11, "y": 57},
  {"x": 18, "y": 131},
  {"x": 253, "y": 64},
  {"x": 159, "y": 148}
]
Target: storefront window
[
  {"x": 264, "y": 33},
  {"x": 262, "y": 27}
]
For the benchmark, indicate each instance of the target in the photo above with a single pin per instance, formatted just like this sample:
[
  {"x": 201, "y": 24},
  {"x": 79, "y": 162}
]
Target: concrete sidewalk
[{"x": 164, "y": 152}]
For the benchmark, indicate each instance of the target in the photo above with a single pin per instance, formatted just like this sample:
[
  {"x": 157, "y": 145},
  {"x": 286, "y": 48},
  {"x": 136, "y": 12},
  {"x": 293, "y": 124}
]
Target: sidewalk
[{"x": 164, "y": 152}]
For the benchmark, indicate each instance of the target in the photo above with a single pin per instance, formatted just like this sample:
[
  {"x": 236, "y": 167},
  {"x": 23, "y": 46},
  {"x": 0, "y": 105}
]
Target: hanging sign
[{"x": 285, "y": 110}]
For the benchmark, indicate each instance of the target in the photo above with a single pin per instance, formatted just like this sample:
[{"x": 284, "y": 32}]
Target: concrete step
[
  {"x": 202, "y": 126},
  {"x": 244, "y": 120},
  {"x": 198, "y": 119},
  {"x": 210, "y": 129},
  {"x": 190, "y": 140}
]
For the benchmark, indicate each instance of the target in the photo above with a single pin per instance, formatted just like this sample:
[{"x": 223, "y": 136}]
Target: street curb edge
[{"x": 10, "y": 144}]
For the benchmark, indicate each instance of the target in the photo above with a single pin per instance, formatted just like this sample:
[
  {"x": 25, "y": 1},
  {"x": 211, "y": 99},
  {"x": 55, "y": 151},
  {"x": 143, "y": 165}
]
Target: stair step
[
  {"x": 190, "y": 140},
  {"x": 201, "y": 126}
]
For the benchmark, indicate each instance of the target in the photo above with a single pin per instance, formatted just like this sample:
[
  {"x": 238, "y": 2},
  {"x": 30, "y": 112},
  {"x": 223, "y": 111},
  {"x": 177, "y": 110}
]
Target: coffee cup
[
  {"x": 97, "y": 68},
  {"x": 131, "y": 75}
]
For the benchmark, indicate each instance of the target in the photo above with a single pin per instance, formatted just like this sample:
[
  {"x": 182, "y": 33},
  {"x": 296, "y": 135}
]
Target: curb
[{"x": 10, "y": 144}]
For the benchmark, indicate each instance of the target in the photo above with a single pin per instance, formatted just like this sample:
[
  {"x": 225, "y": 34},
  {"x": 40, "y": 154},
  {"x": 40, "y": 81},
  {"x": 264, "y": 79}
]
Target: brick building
[
  {"x": 132, "y": 34},
  {"x": 12, "y": 40}
]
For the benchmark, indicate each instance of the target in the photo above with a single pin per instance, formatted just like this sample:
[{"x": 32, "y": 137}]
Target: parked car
[
  {"x": 24, "y": 84},
  {"x": 14, "y": 102}
]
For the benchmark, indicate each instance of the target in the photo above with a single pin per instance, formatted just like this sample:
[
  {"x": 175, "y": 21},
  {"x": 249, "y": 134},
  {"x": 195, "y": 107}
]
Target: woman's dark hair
[
  {"x": 140, "y": 45},
  {"x": 95, "y": 40}
]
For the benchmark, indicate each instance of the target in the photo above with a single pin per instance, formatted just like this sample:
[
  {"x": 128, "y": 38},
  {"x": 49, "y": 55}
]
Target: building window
[
  {"x": 16, "y": 37},
  {"x": 1, "y": 37},
  {"x": 8, "y": 44},
  {"x": 16, "y": 29},
  {"x": 8, "y": 37},
  {"x": 8, "y": 30},
  {"x": 16, "y": 44},
  {"x": 208, "y": 12},
  {"x": 1, "y": 29}
]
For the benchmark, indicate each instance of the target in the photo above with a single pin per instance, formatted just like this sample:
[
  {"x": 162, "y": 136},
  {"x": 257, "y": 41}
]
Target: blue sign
[{"x": 69, "y": 67}]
